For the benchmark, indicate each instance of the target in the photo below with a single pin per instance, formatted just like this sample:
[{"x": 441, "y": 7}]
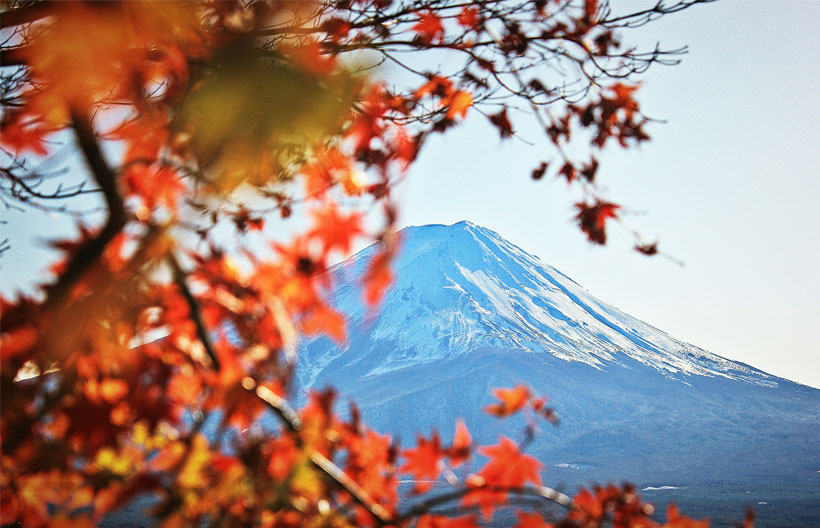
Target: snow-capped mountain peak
[{"x": 462, "y": 288}]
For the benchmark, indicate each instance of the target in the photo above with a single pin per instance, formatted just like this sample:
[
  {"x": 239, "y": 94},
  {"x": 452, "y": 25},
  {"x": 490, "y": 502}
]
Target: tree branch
[
  {"x": 291, "y": 420},
  {"x": 541, "y": 492},
  {"x": 25, "y": 15},
  {"x": 357, "y": 492},
  {"x": 91, "y": 252},
  {"x": 193, "y": 307}
]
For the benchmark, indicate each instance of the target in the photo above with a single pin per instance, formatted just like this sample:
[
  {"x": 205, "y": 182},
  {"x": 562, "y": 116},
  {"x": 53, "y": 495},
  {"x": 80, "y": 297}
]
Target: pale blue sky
[{"x": 730, "y": 185}]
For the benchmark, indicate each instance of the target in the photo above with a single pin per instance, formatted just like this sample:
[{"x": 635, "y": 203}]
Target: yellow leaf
[
  {"x": 459, "y": 104},
  {"x": 198, "y": 458}
]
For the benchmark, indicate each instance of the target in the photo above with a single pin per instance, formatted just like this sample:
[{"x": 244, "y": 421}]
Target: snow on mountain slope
[{"x": 463, "y": 288}]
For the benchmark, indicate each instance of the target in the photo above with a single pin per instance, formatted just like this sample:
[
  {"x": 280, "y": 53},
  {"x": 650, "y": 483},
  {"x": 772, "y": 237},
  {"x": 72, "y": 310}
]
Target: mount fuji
[{"x": 469, "y": 311}]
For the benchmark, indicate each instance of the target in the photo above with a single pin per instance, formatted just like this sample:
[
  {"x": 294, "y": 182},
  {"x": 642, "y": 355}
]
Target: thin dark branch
[
  {"x": 541, "y": 492},
  {"x": 640, "y": 18},
  {"x": 193, "y": 307},
  {"x": 59, "y": 194}
]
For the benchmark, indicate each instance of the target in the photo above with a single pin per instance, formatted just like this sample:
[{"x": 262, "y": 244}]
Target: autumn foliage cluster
[{"x": 193, "y": 127}]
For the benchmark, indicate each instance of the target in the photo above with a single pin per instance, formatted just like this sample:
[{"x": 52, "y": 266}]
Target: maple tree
[{"x": 190, "y": 119}]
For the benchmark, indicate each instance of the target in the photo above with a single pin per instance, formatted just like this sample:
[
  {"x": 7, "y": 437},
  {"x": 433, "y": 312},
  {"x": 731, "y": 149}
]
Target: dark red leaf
[
  {"x": 588, "y": 171},
  {"x": 568, "y": 171},
  {"x": 502, "y": 123},
  {"x": 592, "y": 219},
  {"x": 539, "y": 171},
  {"x": 647, "y": 249}
]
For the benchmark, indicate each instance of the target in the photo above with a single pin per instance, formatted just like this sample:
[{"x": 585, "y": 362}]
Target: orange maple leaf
[
  {"x": 283, "y": 455},
  {"x": 17, "y": 341},
  {"x": 437, "y": 85},
  {"x": 459, "y": 452},
  {"x": 184, "y": 388},
  {"x": 377, "y": 278},
  {"x": 329, "y": 167},
  {"x": 323, "y": 319},
  {"x": 335, "y": 229},
  {"x": 311, "y": 59},
  {"x": 485, "y": 499},
  {"x": 511, "y": 401},
  {"x": 675, "y": 520},
  {"x": 155, "y": 185},
  {"x": 459, "y": 103}
]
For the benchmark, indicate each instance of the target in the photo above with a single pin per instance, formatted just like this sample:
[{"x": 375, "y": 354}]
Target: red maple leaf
[
  {"x": 592, "y": 219},
  {"x": 469, "y": 17},
  {"x": 424, "y": 462},
  {"x": 507, "y": 468},
  {"x": 21, "y": 137},
  {"x": 439, "y": 521},
  {"x": 531, "y": 520},
  {"x": 336, "y": 28},
  {"x": 429, "y": 27},
  {"x": 538, "y": 172},
  {"x": 145, "y": 136},
  {"x": 588, "y": 170},
  {"x": 568, "y": 171},
  {"x": 311, "y": 58},
  {"x": 155, "y": 185},
  {"x": 323, "y": 171},
  {"x": 437, "y": 85},
  {"x": 586, "y": 507}
]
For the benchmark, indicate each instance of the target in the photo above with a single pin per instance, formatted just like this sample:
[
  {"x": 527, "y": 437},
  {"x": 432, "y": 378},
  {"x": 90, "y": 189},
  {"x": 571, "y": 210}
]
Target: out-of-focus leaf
[{"x": 245, "y": 105}]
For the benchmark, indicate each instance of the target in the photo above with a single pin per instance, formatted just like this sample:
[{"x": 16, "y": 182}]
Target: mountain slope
[
  {"x": 470, "y": 311},
  {"x": 463, "y": 287}
]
